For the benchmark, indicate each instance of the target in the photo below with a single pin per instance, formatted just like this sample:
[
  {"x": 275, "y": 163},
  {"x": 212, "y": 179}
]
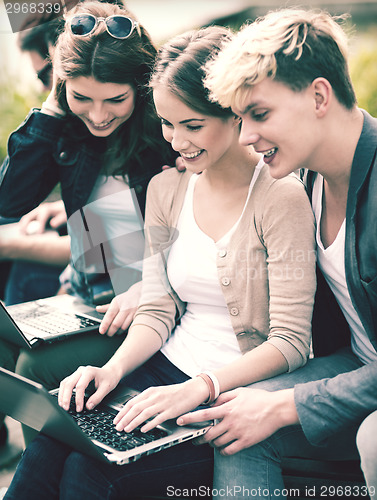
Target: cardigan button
[
  {"x": 222, "y": 252},
  {"x": 138, "y": 188},
  {"x": 225, "y": 281},
  {"x": 63, "y": 155},
  {"x": 234, "y": 311}
]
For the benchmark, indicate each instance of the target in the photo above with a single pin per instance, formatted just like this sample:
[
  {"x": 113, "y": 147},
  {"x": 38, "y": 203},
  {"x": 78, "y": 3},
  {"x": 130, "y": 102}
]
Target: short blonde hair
[{"x": 293, "y": 46}]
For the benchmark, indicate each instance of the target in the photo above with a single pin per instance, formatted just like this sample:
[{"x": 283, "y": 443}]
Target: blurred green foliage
[
  {"x": 14, "y": 106},
  {"x": 363, "y": 69}
]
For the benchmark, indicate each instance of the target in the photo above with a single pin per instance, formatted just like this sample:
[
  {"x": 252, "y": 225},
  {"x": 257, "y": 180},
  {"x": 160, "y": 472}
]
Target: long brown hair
[
  {"x": 108, "y": 59},
  {"x": 179, "y": 67}
]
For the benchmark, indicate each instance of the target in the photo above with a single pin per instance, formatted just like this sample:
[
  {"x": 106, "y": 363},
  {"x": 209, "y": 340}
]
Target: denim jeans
[
  {"x": 256, "y": 471},
  {"x": 50, "y": 470},
  {"x": 31, "y": 281},
  {"x": 27, "y": 280}
]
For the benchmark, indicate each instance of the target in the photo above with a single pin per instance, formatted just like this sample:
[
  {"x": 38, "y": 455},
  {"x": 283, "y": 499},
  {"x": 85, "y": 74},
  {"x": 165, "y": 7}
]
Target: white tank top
[
  {"x": 112, "y": 238},
  {"x": 204, "y": 339}
]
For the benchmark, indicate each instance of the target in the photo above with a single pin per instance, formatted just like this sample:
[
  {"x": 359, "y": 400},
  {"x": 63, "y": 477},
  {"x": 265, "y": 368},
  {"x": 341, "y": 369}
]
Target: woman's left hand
[
  {"x": 160, "y": 404},
  {"x": 120, "y": 312}
]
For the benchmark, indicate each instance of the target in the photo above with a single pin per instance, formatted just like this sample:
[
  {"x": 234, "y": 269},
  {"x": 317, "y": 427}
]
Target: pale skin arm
[
  {"x": 166, "y": 402},
  {"x": 139, "y": 345},
  {"x": 244, "y": 417},
  {"x": 169, "y": 402},
  {"x": 46, "y": 248}
]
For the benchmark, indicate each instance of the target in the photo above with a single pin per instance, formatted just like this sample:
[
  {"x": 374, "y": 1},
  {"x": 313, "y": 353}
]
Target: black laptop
[
  {"x": 90, "y": 432},
  {"x": 33, "y": 323}
]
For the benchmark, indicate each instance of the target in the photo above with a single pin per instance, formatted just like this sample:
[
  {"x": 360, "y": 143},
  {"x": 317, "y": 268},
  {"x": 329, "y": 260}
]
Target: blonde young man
[{"x": 286, "y": 77}]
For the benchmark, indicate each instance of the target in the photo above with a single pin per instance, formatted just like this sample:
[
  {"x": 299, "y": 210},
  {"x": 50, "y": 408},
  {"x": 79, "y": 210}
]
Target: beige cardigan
[{"x": 267, "y": 273}]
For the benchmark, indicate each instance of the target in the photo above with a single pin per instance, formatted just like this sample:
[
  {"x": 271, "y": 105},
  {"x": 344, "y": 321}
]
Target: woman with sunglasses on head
[
  {"x": 233, "y": 295},
  {"x": 98, "y": 137},
  {"x": 34, "y": 256}
]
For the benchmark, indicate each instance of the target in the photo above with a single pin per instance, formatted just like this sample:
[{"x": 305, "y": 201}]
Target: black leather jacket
[{"x": 46, "y": 151}]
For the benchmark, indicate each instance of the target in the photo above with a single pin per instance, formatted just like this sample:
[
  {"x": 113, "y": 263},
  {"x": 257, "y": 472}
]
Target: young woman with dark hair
[{"x": 97, "y": 136}]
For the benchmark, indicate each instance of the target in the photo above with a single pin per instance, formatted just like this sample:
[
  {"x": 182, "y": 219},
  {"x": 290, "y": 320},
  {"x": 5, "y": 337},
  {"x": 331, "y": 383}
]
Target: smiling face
[
  {"x": 202, "y": 141},
  {"x": 103, "y": 107},
  {"x": 281, "y": 124}
]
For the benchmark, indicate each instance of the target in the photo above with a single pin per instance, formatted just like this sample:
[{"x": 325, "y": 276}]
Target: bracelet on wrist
[
  {"x": 215, "y": 382},
  {"x": 52, "y": 108},
  {"x": 210, "y": 386},
  {"x": 213, "y": 386}
]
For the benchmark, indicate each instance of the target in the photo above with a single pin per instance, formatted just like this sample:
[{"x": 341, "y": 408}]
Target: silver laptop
[
  {"x": 90, "y": 432},
  {"x": 33, "y": 323}
]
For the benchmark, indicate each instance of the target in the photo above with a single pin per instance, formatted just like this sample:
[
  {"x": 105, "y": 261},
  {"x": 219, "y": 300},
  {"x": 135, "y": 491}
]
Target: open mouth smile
[
  {"x": 101, "y": 126},
  {"x": 270, "y": 152},
  {"x": 191, "y": 156}
]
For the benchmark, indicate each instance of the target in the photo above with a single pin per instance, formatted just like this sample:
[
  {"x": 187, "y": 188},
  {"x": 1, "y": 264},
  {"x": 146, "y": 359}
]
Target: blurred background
[{"x": 20, "y": 89}]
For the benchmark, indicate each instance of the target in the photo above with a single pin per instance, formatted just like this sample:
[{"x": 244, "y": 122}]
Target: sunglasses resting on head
[{"x": 117, "y": 26}]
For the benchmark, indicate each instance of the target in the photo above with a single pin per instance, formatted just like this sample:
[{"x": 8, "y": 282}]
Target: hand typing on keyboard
[
  {"x": 105, "y": 380},
  {"x": 147, "y": 410},
  {"x": 120, "y": 312},
  {"x": 98, "y": 424},
  {"x": 158, "y": 404}
]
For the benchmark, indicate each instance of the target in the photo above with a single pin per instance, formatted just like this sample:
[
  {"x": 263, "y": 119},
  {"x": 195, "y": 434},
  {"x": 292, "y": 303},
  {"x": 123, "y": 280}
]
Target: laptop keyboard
[
  {"x": 98, "y": 424},
  {"x": 50, "y": 320}
]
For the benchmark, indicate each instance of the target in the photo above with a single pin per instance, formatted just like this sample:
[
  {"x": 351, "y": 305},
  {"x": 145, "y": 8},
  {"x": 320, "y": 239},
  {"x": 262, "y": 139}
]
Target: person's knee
[
  {"x": 366, "y": 439},
  {"x": 82, "y": 478},
  {"x": 30, "y": 365},
  {"x": 8, "y": 355},
  {"x": 247, "y": 467},
  {"x": 76, "y": 465}
]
